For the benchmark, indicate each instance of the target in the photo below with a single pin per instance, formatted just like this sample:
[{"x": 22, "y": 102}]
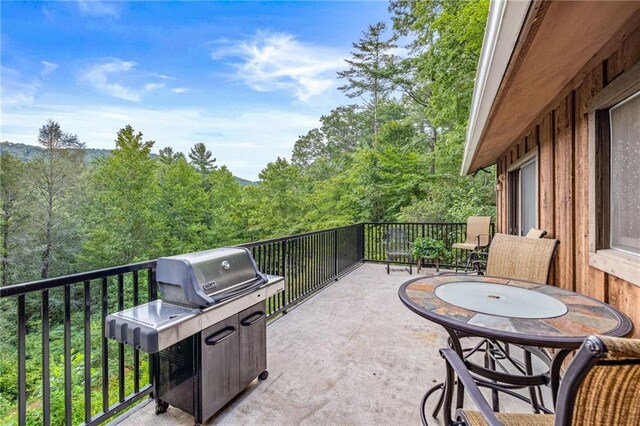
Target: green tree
[
  {"x": 368, "y": 75},
  {"x": 54, "y": 178},
  {"x": 122, "y": 220},
  {"x": 167, "y": 156},
  {"x": 181, "y": 208},
  {"x": 274, "y": 204},
  {"x": 200, "y": 158},
  {"x": 13, "y": 214},
  {"x": 225, "y": 204}
]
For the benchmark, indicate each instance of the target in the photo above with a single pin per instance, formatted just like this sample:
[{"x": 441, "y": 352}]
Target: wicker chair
[
  {"x": 397, "y": 248},
  {"x": 601, "y": 387},
  {"x": 478, "y": 237},
  {"x": 521, "y": 258}
]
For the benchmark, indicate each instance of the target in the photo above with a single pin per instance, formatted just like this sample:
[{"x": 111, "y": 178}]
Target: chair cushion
[{"x": 475, "y": 418}]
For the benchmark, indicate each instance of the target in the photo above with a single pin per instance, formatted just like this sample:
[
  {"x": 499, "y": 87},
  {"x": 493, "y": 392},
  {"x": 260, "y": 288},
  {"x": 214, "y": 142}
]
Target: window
[
  {"x": 624, "y": 214},
  {"x": 614, "y": 177},
  {"x": 523, "y": 195}
]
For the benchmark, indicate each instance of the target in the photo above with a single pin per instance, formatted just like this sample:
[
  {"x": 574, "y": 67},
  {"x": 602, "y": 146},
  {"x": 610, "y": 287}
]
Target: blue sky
[{"x": 244, "y": 78}]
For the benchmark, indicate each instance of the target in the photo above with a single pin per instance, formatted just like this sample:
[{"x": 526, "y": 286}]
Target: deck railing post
[
  {"x": 283, "y": 260},
  {"x": 335, "y": 254},
  {"x": 22, "y": 368}
]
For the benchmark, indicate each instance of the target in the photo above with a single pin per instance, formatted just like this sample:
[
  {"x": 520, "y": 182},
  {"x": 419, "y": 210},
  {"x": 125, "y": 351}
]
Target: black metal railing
[
  {"x": 60, "y": 321},
  {"x": 100, "y": 378},
  {"x": 447, "y": 232},
  {"x": 308, "y": 261}
]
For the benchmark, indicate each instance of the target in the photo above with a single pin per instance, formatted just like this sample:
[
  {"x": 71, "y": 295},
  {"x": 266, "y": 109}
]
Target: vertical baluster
[
  {"x": 152, "y": 295},
  {"x": 136, "y": 352},
  {"x": 67, "y": 355},
  {"x": 317, "y": 258},
  {"x": 298, "y": 267},
  {"x": 22, "y": 369},
  {"x": 87, "y": 351},
  {"x": 120, "y": 345},
  {"x": 283, "y": 272},
  {"x": 105, "y": 348},
  {"x": 335, "y": 253},
  {"x": 46, "y": 380},
  {"x": 293, "y": 266},
  {"x": 303, "y": 265},
  {"x": 325, "y": 257},
  {"x": 274, "y": 258}
]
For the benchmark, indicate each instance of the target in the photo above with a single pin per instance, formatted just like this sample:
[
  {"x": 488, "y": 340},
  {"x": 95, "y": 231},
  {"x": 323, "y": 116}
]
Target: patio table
[{"x": 510, "y": 311}]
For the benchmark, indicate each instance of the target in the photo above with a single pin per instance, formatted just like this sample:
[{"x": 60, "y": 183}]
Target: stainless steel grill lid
[{"x": 204, "y": 278}]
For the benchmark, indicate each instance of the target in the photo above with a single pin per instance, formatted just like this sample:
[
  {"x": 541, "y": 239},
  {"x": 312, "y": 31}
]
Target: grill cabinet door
[
  {"x": 253, "y": 343},
  {"x": 220, "y": 368},
  {"x": 177, "y": 367}
]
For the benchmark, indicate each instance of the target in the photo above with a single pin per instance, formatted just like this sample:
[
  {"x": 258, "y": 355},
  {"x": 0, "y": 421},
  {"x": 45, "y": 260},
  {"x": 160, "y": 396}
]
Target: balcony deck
[{"x": 352, "y": 354}]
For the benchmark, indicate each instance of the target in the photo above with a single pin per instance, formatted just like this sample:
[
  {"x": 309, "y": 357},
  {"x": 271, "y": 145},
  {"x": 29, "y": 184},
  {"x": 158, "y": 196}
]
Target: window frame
[
  {"x": 601, "y": 256},
  {"x": 514, "y": 191}
]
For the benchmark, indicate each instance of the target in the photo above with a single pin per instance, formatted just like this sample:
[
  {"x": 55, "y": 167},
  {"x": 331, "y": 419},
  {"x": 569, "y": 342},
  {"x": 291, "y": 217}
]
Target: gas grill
[{"x": 208, "y": 331}]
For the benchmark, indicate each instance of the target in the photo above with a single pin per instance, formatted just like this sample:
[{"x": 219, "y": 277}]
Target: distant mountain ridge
[{"x": 28, "y": 152}]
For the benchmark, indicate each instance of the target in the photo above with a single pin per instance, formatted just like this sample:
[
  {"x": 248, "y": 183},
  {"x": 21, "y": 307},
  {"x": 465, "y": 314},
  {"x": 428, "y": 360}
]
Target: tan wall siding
[{"x": 561, "y": 137}]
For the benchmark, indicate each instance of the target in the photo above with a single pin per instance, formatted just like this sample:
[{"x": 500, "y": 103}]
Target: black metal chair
[{"x": 397, "y": 248}]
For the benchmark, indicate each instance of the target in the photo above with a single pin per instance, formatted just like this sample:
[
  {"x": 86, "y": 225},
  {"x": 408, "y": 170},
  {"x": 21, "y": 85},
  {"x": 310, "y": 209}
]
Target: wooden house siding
[{"x": 560, "y": 134}]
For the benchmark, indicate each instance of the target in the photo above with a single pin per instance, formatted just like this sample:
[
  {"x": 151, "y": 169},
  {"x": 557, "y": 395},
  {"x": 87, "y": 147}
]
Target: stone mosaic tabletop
[{"x": 511, "y": 310}]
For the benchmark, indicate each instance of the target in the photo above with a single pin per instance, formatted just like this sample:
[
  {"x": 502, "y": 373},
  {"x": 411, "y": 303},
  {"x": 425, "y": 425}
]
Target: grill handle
[
  {"x": 220, "y": 336},
  {"x": 252, "y": 319}
]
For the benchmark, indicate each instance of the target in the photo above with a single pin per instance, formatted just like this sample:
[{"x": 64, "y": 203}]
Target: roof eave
[{"x": 504, "y": 24}]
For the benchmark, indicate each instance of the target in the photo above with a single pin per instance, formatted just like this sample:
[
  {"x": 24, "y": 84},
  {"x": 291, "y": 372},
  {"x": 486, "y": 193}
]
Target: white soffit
[{"x": 504, "y": 24}]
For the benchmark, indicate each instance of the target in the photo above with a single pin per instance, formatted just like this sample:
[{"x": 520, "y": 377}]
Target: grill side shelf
[{"x": 153, "y": 326}]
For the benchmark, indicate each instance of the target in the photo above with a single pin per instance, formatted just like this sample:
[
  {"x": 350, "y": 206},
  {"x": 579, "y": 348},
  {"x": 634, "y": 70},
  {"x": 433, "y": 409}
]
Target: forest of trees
[{"x": 392, "y": 155}]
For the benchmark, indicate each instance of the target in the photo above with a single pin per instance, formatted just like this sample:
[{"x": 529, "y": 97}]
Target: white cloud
[
  {"x": 180, "y": 90},
  {"x": 243, "y": 140},
  {"x": 48, "y": 68},
  {"x": 16, "y": 88},
  {"x": 153, "y": 86},
  {"x": 98, "y": 8},
  {"x": 276, "y": 61},
  {"x": 100, "y": 76}
]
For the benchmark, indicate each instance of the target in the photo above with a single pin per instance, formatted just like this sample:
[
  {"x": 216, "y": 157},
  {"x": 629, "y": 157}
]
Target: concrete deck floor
[{"x": 353, "y": 354}]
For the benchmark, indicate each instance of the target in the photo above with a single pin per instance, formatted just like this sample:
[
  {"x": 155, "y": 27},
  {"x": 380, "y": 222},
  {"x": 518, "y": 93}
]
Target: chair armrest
[
  {"x": 488, "y": 240},
  {"x": 454, "y": 362}
]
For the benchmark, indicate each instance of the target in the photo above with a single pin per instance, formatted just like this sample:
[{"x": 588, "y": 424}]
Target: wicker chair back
[{"x": 521, "y": 258}]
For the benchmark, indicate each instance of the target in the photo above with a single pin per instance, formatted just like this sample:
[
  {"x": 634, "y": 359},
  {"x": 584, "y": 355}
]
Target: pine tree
[
  {"x": 200, "y": 158},
  {"x": 13, "y": 214},
  {"x": 122, "y": 214},
  {"x": 369, "y": 74},
  {"x": 54, "y": 177}
]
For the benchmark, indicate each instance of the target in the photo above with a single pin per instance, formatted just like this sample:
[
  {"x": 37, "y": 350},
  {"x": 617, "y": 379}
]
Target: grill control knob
[{"x": 225, "y": 265}]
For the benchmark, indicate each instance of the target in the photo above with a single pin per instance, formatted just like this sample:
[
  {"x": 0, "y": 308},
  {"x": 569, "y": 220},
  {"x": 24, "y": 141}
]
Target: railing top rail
[
  {"x": 49, "y": 283},
  {"x": 415, "y": 223},
  {"x": 294, "y": 236}
]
